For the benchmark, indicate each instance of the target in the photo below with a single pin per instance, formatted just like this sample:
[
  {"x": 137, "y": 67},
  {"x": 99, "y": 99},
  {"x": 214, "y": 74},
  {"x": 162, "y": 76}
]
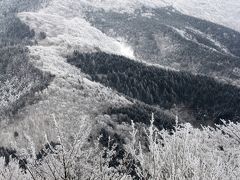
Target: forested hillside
[
  {"x": 19, "y": 80},
  {"x": 167, "y": 37},
  {"x": 208, "y": 99}
]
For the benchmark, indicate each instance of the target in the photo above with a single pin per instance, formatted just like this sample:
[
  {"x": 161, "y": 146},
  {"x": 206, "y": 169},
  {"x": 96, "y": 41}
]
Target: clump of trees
[
  {"x": 14, "y": 32},
  {"x": 139, "y": 112},
  {"x": 19, "y": 80},
  {"x": 189, "y": 153},
  {"x": 16, "y": 6},
  {"x": 207, "y": 99}
]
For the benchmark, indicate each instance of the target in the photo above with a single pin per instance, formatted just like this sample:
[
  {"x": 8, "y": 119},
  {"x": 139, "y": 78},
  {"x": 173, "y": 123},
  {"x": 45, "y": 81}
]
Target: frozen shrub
[
  {"x": 189, "y": 153},
  {"x": 181, "y": 154}
]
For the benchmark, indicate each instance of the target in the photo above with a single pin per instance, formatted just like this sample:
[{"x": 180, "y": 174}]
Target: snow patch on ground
[
  {"x": 219, "y": 47},
  {"x": 212, "y": 40}
]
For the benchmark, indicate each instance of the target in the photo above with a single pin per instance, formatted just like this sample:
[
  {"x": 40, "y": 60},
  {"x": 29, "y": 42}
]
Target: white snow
[
  {"x": 73, "y": 33},
  {"x": 224, "y": 12},
  {"x": 189, "y": 37},
  {"x": 125, "y": 5},
  {"x": 212, "y": 40}
]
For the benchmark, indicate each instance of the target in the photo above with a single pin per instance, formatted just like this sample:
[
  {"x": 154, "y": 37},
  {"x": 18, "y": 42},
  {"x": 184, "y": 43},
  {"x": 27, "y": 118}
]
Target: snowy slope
[
  {"x": 222, "y": 12},
  {"x": 226, "y": 13},
  {"x": 72, "y": 33},
  {"x": 75, "y": 101}
]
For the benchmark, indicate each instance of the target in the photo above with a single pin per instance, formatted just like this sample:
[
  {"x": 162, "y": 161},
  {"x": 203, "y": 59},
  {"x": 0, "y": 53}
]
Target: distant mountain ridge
[{"x": 169, "y": 38}]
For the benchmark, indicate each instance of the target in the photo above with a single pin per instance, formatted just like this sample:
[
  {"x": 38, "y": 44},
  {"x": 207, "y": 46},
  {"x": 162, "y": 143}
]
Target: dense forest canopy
[{"x": 205, "y": 97}]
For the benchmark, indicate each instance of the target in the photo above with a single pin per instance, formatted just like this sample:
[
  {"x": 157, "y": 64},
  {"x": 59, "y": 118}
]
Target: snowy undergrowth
[
  {"x": 185, "y": 153},
  {"x": 189, "y": 153}
]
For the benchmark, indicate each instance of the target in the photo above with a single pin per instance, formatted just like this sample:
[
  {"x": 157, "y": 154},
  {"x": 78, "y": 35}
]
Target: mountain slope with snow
[
  {"x": 226, "y": 13},
  {"x": 69, "y": 96},
  {"x": 174, "y": 40},
  {"x": 149, "y": 31},
  {"x": 80, "y": 75}
]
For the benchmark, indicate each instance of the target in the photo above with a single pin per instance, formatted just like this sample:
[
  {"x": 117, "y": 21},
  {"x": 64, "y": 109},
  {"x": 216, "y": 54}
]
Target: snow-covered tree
[{"x": 183, "y": 153}]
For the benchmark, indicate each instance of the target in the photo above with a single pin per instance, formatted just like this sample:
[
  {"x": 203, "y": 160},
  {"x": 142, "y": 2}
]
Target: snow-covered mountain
[
  {"x": 221, "y": 12},
  {"x": 47, "y": 41}
]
